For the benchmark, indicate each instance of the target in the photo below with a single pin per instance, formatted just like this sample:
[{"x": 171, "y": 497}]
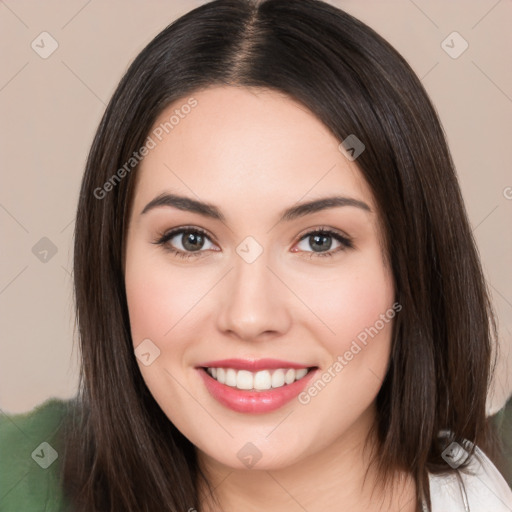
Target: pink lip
[
  {"x": 252, "y": 365},
  {"x": 254, "y": 401}
]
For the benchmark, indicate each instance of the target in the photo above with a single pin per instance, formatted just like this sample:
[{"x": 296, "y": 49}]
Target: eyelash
[{"x": 346, "y": 243}]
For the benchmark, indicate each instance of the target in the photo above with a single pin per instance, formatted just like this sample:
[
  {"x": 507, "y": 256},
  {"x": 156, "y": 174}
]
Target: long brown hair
[{"x": 123, "y": 453}]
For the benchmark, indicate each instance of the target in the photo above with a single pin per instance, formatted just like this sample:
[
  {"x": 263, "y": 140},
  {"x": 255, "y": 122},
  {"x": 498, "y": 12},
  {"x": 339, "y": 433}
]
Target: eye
[
  {"x": 190, "y": 242},
  {"x": 321, "y": 241},
  {"x": 185, "y": 242}
]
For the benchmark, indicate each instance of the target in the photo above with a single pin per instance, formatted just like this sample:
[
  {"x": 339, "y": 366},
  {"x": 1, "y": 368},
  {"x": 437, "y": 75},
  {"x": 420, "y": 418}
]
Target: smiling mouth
[{"x": 262, "y": 380}]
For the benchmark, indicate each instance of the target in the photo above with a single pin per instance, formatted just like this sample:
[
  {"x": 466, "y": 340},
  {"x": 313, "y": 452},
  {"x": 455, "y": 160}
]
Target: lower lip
[{"x": 254, "y": 401}]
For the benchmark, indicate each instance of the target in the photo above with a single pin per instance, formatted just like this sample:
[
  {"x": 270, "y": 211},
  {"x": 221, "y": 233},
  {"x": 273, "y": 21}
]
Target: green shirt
[
  {"x": 502, "y": 421},
  {"x": 30, "y": 456}
]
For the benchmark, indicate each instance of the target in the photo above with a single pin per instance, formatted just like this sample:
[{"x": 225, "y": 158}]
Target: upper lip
[{"x": 253, "y": 364}]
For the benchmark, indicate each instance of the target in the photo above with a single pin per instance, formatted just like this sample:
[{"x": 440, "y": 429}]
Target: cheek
[
  {"x": 351, "y": 300},
  {"x": 358, "y": 306},
  {"x": 158, "y": 296},
  {"x": 149, "y": 303}
]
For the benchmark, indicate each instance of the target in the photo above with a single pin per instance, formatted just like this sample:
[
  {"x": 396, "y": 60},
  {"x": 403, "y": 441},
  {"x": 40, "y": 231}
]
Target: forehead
[{"x": 248, "y": 146}]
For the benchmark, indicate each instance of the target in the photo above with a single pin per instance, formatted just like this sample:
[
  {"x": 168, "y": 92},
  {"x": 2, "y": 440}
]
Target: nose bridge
[{"x": 253, "y": 301}]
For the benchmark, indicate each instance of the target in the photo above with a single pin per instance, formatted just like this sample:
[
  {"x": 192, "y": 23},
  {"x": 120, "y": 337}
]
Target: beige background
[{"x": 50, "y": 108}]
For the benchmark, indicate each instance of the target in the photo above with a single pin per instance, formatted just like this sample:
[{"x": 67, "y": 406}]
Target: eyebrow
[{"x": 209, "y": 210}]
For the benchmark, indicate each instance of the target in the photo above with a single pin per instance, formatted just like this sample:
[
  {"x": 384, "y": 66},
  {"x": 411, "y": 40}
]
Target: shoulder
[
  {"x": 30, "y": 446},
  {"x": 478, "y": 488}
]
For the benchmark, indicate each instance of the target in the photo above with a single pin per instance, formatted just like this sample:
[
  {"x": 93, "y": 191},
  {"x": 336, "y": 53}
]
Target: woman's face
[{"x": 253, "y": 292}]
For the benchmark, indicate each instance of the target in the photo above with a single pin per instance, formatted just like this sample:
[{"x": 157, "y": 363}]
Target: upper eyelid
[
  {"x": 321, "y": 229},
  {"x": 171, "y": 233}
]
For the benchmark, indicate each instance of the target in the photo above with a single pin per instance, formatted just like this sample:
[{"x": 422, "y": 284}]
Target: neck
[{"x": 340, "y": 473}]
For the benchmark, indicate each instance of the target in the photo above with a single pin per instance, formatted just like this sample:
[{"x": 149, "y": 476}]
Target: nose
[{"x": 253, "y": 301}]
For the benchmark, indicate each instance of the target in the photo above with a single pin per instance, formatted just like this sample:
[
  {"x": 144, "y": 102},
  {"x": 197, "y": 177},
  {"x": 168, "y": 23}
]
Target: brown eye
[{"x": 191, "y": 240}]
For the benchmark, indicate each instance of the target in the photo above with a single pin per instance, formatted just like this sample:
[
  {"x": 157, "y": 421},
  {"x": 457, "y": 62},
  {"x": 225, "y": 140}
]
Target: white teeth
[
  {"x": 289, "y": 376},
  {"x": 278, "y": 379},
  {"x": 230, "y": 377},
  {"x": 221, "y": 375},
  {"x": 300, "y": 373},
  {"x": 260, "y": 381},
  {"x": 244, "y": 379}
]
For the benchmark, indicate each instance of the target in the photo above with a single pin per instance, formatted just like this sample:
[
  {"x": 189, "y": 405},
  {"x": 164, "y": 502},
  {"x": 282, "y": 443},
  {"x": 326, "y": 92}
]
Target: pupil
[
  {"x": 193, "y": 241},
  {"x": 322, "y": 241}
]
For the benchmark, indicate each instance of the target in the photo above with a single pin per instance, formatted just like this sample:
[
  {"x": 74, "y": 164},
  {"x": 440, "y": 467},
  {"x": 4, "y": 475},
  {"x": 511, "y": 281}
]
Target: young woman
[{"x": 279, "y": 299}]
